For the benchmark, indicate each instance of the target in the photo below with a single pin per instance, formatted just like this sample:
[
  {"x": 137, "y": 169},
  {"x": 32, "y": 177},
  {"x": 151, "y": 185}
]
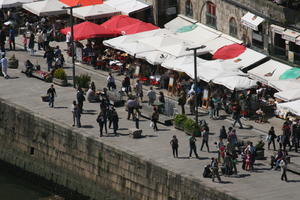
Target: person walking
[
  {"x": 136, "y": 118},
  {"x": 215, "y": 169},
  {"x": 174, "y": 144},
  {"x": 131, "y": 105},
  {"x": 151, "y": 96},
  {"x": 2, "y": 39},
  {"x": 39, "y": 39},
  {"x": 49, "y": 55},
  {"x": 115, "y": 119},
  {"x": 76, "y": 114},
  {"x": 139, "y": 89},
  {"x": 192, "y": 141},
  {"x": 51, "y": 93},
  {"x": 182, "y": 101},
  {"x": 126, "y": 85},
  {"x": 271, "y": 138},
  {"x": 111, "y": 85},
  {"x": 205, "y": 134},
  {"x": 80, "y": 99},
  {"x": 101, "y": 121},
  {"x": 31, "y": 44},
  {"x": 191, "y": 102},
  {"x": 283, "y": 166},
  {"x": 4, "y": 66},
  {"x": 223, "y": 134},
  {"x": 11, "y": 39},
  {"x": 25, "y": 42},
  {"x": 237, "y": 115},
  {"x": 155, "y": 118}
]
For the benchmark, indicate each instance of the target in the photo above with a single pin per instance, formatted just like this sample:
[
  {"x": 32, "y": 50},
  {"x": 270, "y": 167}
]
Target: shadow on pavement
[{"x": 87, "y": 126}]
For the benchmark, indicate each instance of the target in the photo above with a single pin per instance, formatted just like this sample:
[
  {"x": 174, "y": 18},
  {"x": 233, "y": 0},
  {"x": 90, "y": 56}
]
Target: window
[
  {"x": 232, "y": 27},
  {"x": 211, "y": 18},
  {"x": 188, "y": 8}
]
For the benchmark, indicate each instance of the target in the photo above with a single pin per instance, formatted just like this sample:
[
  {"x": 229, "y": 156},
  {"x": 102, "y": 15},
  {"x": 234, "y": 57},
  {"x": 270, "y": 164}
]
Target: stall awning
[
  {"x": 282, "y": 85},
  {"x": 45, "y": 8},
  {"x": 127, "y": 6},
  {"x": 13, "y": 3},
  {"x": 293, "y": 107},
  {"x": 290, "y": 35},
  {"x": 288, "y": 95},
  {"x": 235, "y": 82},
  {"x": 178, "y": 23},
  {"x": 81, "y": 2},
  {"x": 252, "y": 21},
  {"x": 277, "y": 29},
  {"x": 268, "y": 71},
  {"x": 95, "y": 12}
]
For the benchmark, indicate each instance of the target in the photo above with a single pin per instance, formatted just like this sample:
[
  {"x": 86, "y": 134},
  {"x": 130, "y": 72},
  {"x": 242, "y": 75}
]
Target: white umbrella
[
  {"x": 154, "y": 57},
  {"x": 293, "y": 107},
  {"x": 235, "y": 82},
  {"x": 45, "y": 8},
  {"x": 182, "y": 64},
  {"x": 13, "y": 3},
  {"x": 288, "y": 95},
  {"x": 282, "y": 85},
  {"x": 95, "y": 11}
]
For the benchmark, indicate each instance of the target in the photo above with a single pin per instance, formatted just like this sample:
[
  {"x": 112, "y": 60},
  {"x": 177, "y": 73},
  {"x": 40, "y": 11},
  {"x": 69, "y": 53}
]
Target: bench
[{"x": 147, "y": 110}]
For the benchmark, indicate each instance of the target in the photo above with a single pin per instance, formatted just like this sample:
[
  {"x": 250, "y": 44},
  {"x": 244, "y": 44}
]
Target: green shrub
[
  {"x": 60, "y": 74},
  {"x": 191, "y": 127},
  {"x": 179, "y": 119},
  {"x": 83, "y": 80},
  {"x": 260, "y": 145}
]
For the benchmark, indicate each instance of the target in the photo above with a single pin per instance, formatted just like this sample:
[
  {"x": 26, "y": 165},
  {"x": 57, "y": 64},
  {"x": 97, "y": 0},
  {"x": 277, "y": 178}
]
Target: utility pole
[
  {"x": 72, "y": 39},
  {"x": 194, "y": 49}
]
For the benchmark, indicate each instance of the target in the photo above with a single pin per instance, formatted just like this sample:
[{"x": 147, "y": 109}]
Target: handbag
[{"x": 151, "y": 124}]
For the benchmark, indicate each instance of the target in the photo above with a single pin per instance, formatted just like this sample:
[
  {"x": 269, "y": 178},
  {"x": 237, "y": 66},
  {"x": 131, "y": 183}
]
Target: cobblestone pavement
[{"x": 261, "y": 184}]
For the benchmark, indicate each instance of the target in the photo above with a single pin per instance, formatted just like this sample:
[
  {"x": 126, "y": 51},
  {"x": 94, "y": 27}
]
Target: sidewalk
[
  {"x": 262, "y": 184},
  {"x": 263, "y": 128}
]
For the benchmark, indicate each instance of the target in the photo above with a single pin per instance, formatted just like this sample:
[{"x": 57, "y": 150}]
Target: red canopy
[
  {"x": 229, "y": 51},
  {"x": 137, "y": 28},
  {"x": 87, "y": 30},
  {"x": 127, "y": 25},
  {"x": 81, "y": 2}
]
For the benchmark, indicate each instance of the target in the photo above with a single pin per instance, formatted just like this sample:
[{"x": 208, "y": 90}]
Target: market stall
[
  {"x": 13, "y": 3},
  {"x": 95, "y": 12},
  {"x": 45, "y": 8},
  {"x": 127, "y": 6}
]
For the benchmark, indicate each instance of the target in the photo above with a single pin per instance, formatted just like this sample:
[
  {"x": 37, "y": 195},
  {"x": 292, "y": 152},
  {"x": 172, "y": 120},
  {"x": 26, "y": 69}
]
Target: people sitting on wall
[{"x": 91, "y": 96}]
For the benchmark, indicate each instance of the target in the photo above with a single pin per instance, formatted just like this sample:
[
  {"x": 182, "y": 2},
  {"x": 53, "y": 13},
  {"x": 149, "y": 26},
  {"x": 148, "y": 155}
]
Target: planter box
[
  {"x": 60, "y": 82},
  {"x": 197, "y": 133},
  {"x": 260, "y": 154},
  {"x": 179, "y": 126}
]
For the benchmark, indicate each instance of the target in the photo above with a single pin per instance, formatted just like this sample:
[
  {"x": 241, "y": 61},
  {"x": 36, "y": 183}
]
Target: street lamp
[
  {"x": 72, "y": 38},
  {"x": 195, "y": 77}
]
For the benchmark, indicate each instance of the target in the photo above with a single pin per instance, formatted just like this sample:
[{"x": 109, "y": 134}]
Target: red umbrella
[
  {"x": 81, "y": 2},
  {"x": 87, "y": 30},
  {"x": 119, "y": 21},
  {"x": 137, "y": 28},
  {"x": 229, "y": 51}
]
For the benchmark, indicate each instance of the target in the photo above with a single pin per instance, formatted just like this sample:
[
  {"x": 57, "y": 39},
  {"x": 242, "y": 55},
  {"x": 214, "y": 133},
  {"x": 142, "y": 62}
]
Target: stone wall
[{"x": 81, "y": 163}]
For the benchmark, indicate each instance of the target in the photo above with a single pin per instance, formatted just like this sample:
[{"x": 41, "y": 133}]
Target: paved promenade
[{"x": 261, "y": 184}]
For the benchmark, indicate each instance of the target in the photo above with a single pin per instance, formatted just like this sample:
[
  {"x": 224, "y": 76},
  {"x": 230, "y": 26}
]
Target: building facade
[{"x": 261, "y": 24}]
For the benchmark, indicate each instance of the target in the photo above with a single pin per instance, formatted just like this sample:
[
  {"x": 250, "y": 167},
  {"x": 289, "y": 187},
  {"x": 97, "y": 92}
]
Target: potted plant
[
  {"x": 60, "y": 77},
  {"x": 83, "y": 81},
  {"x": 260, "y": 151},
  {"x": 191, "y": 127},
  {"x": 179, "y": 121},
  {"x": 13, "y": 62}
]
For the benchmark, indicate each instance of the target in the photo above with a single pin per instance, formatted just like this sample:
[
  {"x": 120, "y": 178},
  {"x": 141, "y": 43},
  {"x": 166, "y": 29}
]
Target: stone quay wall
[{"x": 86, "y": 165}]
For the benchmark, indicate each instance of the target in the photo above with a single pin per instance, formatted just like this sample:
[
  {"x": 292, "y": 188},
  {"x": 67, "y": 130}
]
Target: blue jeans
[{"x": 51, "y": 101}]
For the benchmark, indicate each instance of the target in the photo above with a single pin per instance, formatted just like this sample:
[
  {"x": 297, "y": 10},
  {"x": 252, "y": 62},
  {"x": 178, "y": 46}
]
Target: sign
[
  {"x": 137, "y": 71},
  {"x": 171, "y": 11},
  {"x": 277, "y": 29},
  {"x": 291, "y": 56},
  {"x": 79, "y": 54},
  {"x": 171, "y": 82},
  {"x": 205, "y": 94},
  {"x": 257, "y": 37}
]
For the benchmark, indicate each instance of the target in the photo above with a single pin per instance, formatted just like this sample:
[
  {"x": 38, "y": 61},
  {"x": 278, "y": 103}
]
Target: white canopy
[
  {"x": 94, "y": 11},
  {"x": 13, "y": 3},
  {"x": 182, "y": 64},
  {"x": 127, "y": 6},
  {"x": 283, "y": 85},
  {"x": 215, "y": 44},
  {"x": 252, "y": 21},
  {"x": 154, "y": 57},
  {"x": 136, "y": 47},
  {"x": 178, "y": 22},
  {"x": 268, "y": 71},
  {"x": 293, "y": 107},
  {"x": 235, "y": 82},
  {"x": 288, "y": 95},
  {"x": 45, "y": 8},
  {"x": 247, "y": 58},
  {"x": 118, "y": 42}
]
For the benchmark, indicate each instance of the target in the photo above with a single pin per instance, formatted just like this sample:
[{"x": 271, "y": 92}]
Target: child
[{"x": 25, "y": 42}]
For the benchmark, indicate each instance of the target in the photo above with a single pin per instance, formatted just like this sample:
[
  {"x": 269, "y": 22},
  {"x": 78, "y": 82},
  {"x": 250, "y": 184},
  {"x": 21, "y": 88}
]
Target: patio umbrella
[
  {"x": 87, "y": 30},
  {"x": 13, "y": 3},
  {"x": 292, "y": 73},
  {"x": 119, "y": 22},
  {"x": 229, "y": 51},
  {"x": 81, "y": 2},
  {"x": 137, "y": 28}
]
